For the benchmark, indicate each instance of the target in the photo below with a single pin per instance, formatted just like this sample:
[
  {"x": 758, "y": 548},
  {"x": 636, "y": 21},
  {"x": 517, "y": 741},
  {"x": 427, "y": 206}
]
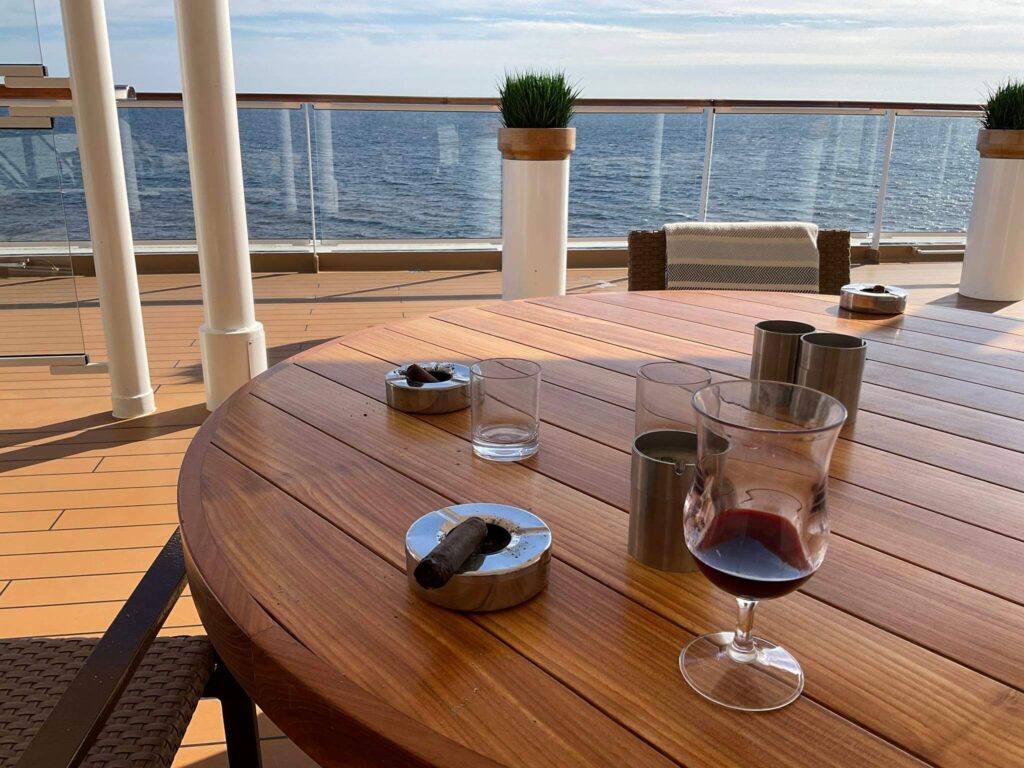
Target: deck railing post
[
  {"x": 883, "y": 181},
  {"x": 106, "y": 200},
  {"x": 232, "y": 342},
  {"x": 291, "y": 202},
  {"x": 312, "y": 193},
  {"x": 705, "y": 178}
]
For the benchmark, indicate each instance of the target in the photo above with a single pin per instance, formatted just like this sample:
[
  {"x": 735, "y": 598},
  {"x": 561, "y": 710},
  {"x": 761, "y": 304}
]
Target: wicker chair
[
  {"x": 647, "y": 260},
  {"x": 123, "y": 700}
]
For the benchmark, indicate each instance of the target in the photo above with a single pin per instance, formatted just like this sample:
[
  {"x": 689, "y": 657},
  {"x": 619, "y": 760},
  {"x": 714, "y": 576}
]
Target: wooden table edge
[{"x": 352, "y": 726}]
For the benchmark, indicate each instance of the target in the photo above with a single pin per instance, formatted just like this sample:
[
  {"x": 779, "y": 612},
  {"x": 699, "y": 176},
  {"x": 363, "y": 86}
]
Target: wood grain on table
[{"x": 296, "y": 495}]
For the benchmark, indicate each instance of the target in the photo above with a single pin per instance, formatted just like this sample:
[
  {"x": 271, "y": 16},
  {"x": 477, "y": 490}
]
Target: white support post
[
  {"x": 106, "y": 200},
  {"x": 705, "y": 178},
  {"x": 883, "y": 181},
  {"x": 312, "y": 196},
  {"x": 232, "y": 342}
]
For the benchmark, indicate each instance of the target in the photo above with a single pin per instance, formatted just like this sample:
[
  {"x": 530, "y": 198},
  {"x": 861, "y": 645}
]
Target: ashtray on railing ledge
[{"x": 428, "y": 387}]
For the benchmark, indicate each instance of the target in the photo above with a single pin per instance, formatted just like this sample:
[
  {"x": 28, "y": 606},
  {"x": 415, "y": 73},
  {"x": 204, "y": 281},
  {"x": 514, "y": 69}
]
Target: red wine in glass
[{"x": 753, "y": 554}]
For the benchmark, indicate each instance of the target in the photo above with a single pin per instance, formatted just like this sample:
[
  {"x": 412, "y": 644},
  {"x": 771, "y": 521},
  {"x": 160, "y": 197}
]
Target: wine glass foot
[{"x": 770, "y": 679}]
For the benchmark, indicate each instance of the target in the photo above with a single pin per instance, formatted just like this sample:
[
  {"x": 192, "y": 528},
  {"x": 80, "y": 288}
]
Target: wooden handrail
[{"x": 29, "y": 94}]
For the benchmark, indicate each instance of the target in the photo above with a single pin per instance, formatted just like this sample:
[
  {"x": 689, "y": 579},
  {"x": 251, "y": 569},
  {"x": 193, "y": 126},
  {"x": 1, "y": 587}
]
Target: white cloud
[{"x": 922, "y": 50}]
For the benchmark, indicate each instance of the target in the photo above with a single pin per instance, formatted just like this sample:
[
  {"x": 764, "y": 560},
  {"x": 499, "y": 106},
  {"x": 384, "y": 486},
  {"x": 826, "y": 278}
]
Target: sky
[{"x": 914, "y": 50}]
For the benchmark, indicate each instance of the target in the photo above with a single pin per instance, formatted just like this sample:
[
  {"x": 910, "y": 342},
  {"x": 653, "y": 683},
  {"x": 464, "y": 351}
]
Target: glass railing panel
[
  {"x": 634, "y": 171},
  {"x": 275, "y": 168},
  {"x": 819, "y": 168},
  {"x": 419, "y": 175},
  {"x": 19, "y": 36},
  {"x": 931, "y": 177},
  {"x": 38, "y": 294},
  {"x": 156, "y": 174},
  {"x": 275, "y": 165}
]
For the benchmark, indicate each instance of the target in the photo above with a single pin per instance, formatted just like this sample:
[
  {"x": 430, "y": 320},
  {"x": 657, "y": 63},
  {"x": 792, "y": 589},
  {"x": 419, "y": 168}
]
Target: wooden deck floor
[{"x": 87, "y": 501}]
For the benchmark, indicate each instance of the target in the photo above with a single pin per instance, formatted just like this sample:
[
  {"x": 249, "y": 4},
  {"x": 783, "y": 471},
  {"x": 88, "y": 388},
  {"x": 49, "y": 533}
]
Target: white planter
[
  {"x": 994, "y": 262},
  {"x": 534, "y": 210}
]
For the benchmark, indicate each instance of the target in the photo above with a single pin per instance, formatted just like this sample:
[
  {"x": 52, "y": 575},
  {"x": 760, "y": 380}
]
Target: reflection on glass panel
[
  {"x": 931, "y": 179},
  {"x": 634, "y": 171},
  {"x": 157, "y": 176},
  {"x": 38, "y": 301},
  {"x": 19, "y": 36},
  {"x": 276, "y": 169},
  {"x": 819, "y": 168},
  {"x": 156, "y": 172},
  {"x": 407, "y": 174},
  {"x": 30, "y": 188}
]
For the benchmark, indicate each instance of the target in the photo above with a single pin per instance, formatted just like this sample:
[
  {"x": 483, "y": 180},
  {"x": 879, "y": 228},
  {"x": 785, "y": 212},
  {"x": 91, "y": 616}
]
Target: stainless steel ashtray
[
  {"x": 510, "y": 568},
  {"x": 449, "y": 394},
  {"x": 873, "y": 299}
]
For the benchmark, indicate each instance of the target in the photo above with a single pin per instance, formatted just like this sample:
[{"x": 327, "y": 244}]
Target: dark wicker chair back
[
  {"x": 647, "y": 260},
  {"x": 124, "y": 699}
]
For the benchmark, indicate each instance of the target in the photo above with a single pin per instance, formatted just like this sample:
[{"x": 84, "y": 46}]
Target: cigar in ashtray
[
  {"x": 428, "y": 387},
  {"x": 415, "y": 372},
  {"x": 477, "y": 556},
  {"x": 445, "y": 560}
]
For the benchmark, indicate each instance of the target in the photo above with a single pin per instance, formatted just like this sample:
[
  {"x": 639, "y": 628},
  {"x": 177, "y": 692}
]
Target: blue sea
[{"x": 379, "y": 175}]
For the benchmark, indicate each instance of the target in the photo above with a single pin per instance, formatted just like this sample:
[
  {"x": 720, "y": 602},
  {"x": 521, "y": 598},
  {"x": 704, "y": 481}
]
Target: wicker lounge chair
[
  {"x": 122, "y": 700},
  {"x": 647, "y": 260}
]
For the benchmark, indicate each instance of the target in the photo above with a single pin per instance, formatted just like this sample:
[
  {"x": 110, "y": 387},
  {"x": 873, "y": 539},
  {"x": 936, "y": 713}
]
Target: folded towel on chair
[{"x": 752, "y": 256}]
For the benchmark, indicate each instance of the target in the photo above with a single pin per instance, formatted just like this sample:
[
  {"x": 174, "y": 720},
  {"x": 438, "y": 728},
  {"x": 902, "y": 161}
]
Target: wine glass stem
[{"x": 742, "y": 648}]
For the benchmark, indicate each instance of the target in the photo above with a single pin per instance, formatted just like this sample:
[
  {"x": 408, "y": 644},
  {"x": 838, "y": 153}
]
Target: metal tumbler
[
  {"x": 833, "y": 363},
  {"x": 777, "y": 350},
  {"x": 664, "y": 462}
]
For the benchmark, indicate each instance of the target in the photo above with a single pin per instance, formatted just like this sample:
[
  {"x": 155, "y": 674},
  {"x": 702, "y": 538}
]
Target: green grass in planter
[
  {"x": 537, "y": 100},
  {"x": 1005, "y": 107}
]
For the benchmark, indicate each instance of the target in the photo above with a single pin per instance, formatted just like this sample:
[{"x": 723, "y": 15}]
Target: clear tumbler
[
  {"x": 664, "y": 394},
  {"x": 505, "y": 408}
]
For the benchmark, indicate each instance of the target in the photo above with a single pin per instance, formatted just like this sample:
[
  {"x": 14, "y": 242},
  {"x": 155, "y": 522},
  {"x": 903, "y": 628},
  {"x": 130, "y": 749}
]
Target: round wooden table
[{"x": 296, "y": 494}]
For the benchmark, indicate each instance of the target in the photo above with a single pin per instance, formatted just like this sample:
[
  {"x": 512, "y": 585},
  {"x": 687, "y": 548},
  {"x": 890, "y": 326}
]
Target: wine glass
[{"x": 756, "y": 522}]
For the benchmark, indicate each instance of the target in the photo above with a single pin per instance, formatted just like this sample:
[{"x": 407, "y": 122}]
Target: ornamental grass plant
[
  {"x": 1004, "y": 109},
  {"x": 537, "y": 100}
]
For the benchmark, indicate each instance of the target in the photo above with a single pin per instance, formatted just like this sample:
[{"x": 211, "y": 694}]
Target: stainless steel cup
[
  {"x": 663, "y": 469},
  {"x": 833, "y": 363},
  {"x": 777, "y": 350}
]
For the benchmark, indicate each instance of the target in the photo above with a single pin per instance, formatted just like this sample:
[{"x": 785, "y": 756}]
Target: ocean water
[{"x": 379, "y": 175}]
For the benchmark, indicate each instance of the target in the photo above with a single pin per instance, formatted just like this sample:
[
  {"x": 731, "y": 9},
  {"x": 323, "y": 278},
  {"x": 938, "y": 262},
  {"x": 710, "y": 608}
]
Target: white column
[
  {"x": 535, "y": 227},
  {"x": 232, "y": 342},
  {"x": 106, "y": 199},
  {"x": 994, "y": 262}
]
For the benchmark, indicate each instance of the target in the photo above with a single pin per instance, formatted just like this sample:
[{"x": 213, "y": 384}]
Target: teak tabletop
[{"x": 296, "y": 495}]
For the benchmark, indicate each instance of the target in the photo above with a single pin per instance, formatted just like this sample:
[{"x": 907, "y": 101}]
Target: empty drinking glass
[
  {"x": 505, "y": 408},
  {"x": 664, "y": 394},
  {"x": 756, "y": 522}
]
